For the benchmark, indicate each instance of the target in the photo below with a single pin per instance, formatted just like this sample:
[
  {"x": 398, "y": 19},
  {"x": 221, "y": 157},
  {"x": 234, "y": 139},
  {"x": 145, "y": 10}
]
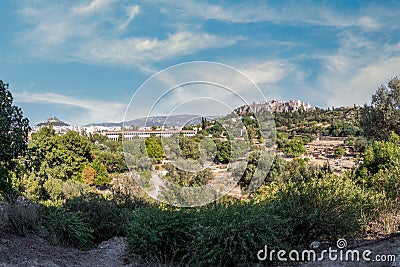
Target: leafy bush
[
  {"x": 53, "y": 188},
  {"x": 380, "y": 169},
  {"x": 225, "y": 236},
  {"x": 159, "y": 236},
  {"x": 387, "y": 221},
  {"x": 339, "y": 152},
  {"x": 66, "y": 226},
  {"x": 22, "y": 217},
  {"x": 323, "y": 208},
  {"x": 232, "y": 235},
  {"x": 104, "y": 217}
]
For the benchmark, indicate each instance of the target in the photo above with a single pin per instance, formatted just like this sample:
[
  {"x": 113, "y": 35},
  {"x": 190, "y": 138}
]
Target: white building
[{"x": 114, "y": 135}]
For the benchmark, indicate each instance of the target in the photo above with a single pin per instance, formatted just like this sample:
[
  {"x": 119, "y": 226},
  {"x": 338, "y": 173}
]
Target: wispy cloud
[
  {"x": 313, "y": 14},
  {"x": 93, "y": 110},
  {"x": 329, "y": 53},
  {"x": 142, "y": 51},
  {"x": 132, "y": 11},
  {"x": 266, "y": 72},
  {"x": 65, "y": 33},
  {"x": 356, "y": 69},
  {"x": 95, "y": 5}
]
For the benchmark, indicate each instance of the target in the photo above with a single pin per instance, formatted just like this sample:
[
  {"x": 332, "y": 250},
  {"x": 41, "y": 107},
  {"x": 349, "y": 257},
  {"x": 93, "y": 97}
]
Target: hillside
[{"x": 173, "y": 120}]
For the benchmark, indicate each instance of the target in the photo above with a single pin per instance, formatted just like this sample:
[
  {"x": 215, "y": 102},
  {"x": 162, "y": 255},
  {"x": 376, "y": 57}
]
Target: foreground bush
[
  {"x": 159, "y": 236},
  {"x": 225, "y": 236},
  {"x": 22, "y": 217},
  {"x": 232, "y": 235},
  {"x": 296, "y": 214},
  {"x": 104, "y": 217},
  {"x": 67, "y": 227},
  {"x": 324, "y": 209}
]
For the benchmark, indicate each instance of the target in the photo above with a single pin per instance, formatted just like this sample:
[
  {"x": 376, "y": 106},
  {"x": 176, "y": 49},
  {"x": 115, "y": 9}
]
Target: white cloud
[
  {"x": 362, "y": 82},
  {"x": 132, "y": 12},
  {"x": 64, "y": 33},
  {"x": 141, "y": 51},
  {"x": 94, "y": 6},
  {"x": 94, "y": 110},
  {"x": 194, "y": 83},
  {"x": 265, "y": 72},
  {"x": 294, "y": 12},
  {"x": 354, "y": 72},
  {"x": 96, "y": 32}
]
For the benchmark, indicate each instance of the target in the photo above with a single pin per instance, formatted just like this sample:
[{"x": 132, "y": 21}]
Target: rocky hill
[{"x": 274, "y": 106}]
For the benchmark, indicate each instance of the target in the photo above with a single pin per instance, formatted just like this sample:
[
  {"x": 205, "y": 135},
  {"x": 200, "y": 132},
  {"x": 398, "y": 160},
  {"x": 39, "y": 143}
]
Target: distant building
[
  {"x": 58, "y": 125},
  {"x": 114, "y": 135}
]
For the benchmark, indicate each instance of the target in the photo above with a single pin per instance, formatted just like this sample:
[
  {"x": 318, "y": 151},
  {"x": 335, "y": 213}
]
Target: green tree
[
  {"x": 113, "y": 161},
  {"x": 383, "y": 116},
  {"x": 186, "y": 178},
  {"x": 189, "y": 147},
  {"x": 101, "y": 177},
  {"x": 53, "y": 188},
  {"x": 223, "y": 154},
  {"x": 380, "y": 170},
  {"x": 293, "y": 147},
  {"x": 339, "y": 152},
  {"x": 14, "y": 130},
  {"x": 154, "y": 148},
  {"x": 59, "y": 156}
]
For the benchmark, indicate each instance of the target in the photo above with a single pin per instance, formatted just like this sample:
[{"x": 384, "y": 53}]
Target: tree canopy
[
  {"x": 13, "y": 134},
  {"x": 383, "y": 115}
]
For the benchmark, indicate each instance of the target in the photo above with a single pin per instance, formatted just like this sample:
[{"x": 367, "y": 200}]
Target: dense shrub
[
  {"x": 22, "y": 217},
  {"x": 295, "y": 213},
  {"x": 323, "y": 208},
  {"x": 160, "y": 236},
  {"x": 67, "y": 227},
  {"x": 104, "y": 217},
  {"x": 225, "y": 236},
  {"x": 232, "y": 235}
]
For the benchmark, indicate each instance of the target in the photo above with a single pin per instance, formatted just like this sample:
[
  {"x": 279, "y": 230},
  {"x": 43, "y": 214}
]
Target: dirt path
[{"x": 33, "y": 250}]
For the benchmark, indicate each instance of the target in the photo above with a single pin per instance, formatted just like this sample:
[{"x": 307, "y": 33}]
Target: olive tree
[{"x": 383, "y": 115}]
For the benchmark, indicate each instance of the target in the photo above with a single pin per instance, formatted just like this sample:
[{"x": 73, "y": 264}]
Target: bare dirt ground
[{"x": 33, "y": 250}]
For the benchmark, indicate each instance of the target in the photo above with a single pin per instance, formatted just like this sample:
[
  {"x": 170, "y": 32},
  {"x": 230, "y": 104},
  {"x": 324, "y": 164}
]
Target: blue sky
[{"x": 83, "y": 60}]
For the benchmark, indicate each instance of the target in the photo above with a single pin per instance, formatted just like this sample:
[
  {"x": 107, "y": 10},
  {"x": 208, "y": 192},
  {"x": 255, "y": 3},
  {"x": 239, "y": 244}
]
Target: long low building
[{"x": 147, "y": 133}]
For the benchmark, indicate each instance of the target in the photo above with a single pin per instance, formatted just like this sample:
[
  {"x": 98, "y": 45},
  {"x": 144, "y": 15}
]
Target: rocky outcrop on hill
[{"x": 274, "y": 106}]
